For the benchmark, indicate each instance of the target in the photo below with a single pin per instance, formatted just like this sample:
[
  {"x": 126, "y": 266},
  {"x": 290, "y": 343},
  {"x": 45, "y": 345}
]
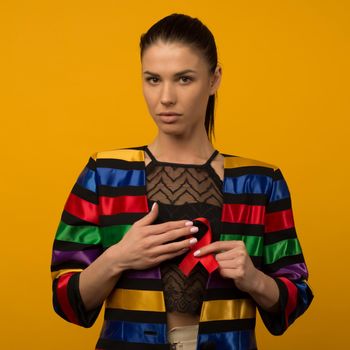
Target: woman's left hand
[{"x": 234, "y": 262}]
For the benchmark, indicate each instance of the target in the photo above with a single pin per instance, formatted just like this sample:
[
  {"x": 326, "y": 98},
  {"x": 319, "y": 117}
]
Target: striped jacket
[{"x": 110, "y": 195}]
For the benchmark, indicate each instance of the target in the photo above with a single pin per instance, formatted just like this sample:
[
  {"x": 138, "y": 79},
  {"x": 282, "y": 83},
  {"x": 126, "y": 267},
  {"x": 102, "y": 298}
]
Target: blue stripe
[
  {"x": 305, "y": 296},
  {"x": 279, "y": 190},
  {"x": 87, "y": 180},
  {"x": 149, "y": 333},
  {"x": 121, "y": 177},
  {"x": 235, "y": 340},
  {"x": 257, "y": 184}
]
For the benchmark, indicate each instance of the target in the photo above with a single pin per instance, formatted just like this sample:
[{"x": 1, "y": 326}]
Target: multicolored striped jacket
[{"x": 110, "y": 195}]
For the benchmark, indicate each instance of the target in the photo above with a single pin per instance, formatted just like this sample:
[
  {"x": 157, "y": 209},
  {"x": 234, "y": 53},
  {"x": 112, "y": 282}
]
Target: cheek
[
  {"x": 196, "y": 102},
  {"x": 149, "y": 97}
]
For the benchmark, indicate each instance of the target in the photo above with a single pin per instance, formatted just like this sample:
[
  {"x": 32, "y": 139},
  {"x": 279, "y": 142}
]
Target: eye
[
  {"x": 150, "y": 78},
  {"x": 186, "y": 78}
]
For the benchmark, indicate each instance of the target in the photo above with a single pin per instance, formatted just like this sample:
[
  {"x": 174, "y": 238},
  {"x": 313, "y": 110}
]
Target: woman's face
[{"x": 168, "y": 86}]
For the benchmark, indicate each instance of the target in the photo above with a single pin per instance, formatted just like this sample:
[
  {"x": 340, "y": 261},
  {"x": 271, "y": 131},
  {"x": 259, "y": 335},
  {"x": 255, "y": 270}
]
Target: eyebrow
[{"x": 176, "y": 74}]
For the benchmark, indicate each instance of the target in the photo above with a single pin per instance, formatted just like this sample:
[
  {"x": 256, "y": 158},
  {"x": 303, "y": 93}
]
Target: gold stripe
[
  {"x": 56, "y": 274},
  {"x": 140, "y": 300},
  {"x": 217, "y": 310},
  {"x": 131, "y": 155},
  {"x": 236, "y": 162}
]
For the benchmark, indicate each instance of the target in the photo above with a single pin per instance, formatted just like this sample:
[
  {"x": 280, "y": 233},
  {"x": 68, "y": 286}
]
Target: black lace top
[{"x": 184, "y": 191}]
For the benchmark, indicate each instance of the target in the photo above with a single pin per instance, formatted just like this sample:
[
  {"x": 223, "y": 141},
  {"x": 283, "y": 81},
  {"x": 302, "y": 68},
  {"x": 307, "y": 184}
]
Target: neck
[{"x": 178, "y": 150}]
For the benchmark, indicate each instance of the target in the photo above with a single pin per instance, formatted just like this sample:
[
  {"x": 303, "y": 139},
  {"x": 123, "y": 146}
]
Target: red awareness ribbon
[{"x": 208, "y": 261}]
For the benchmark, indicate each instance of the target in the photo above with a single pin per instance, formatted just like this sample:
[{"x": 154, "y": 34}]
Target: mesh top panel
[{"x": 184, "y": 191}]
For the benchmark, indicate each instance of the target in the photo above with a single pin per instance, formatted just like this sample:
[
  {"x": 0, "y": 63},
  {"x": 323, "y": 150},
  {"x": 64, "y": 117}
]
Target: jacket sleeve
[
  {"x": 77, "y": 244},
  {"x": 283, "y": 259}
]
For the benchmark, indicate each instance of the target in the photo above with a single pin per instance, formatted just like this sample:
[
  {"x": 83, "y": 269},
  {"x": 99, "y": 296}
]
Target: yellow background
[{"x": 71, "y": 85}]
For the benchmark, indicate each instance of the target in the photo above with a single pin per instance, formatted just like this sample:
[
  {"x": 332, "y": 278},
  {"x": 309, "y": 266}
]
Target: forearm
[
  {"x": 266, "y": 292},
  {"x": 98, "y": 279}
]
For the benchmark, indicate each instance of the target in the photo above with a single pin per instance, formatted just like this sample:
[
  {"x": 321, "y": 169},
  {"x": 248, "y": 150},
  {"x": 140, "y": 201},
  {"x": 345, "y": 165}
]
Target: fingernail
[
  {"x": 193, "y": 240},
  {"x": 154, "y": 204},
  {"x": 188, "y": 223},
  {"x": 197, "y": 252},
  {"x": 194, "y": 229}
]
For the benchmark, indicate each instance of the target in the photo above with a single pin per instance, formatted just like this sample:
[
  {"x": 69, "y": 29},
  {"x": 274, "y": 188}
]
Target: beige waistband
[{"x": 183, "y": 333}]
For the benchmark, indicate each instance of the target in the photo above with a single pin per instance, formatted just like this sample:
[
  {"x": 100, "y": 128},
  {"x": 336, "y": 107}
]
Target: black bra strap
[
  {"x": 156, "y": 161},
  {"x": 149, "y": 153}
]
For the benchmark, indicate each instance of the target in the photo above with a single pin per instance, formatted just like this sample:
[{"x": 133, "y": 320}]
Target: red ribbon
[{"x": 208, "y": 261}]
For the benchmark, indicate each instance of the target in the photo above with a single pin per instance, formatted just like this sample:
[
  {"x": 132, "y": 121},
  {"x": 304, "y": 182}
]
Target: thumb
[{"x": 150, "y": 216}]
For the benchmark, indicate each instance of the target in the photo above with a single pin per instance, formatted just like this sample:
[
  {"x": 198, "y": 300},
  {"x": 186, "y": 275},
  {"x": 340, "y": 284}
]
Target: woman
[{"x": 219, "y": 241}]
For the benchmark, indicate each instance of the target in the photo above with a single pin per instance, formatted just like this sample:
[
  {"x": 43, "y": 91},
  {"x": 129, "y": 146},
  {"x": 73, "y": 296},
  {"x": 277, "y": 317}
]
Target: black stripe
[
  {"x": 91, "y": 164},
  {"x": 118, "y": 345},
  {"x": 115, "y": 191},
  {"x": 225, "y": 294},
  {"x": 120, "y": 164},
  {"x": 257, "y": 261},
  {"x": 277, "y": 236},
  {"x": 275, "y": 321},
  {"x": 277, "y": 175},
  {"x": 245, "y": 198},
  {"x": 135, "y": 316},
  {"x": 226, "y": 325},
  {"x": 283, "y": 262},
  {"x": 140, "y": 284},
  {"x": 67, "y": 265},
  {"x": 72, "y": 246},
  {"x": 84, "y": 193},
  {"x": 70, "y": 219},
  {"x": 242, "y": 229},
  {"x": 282, "y": 204},
  {"x": 249, "y": 170},
  {"x": 120, "y": 219}
]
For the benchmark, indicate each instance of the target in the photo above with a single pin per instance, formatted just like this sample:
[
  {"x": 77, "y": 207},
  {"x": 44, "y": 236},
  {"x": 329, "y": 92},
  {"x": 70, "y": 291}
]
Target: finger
[
  {"x": 172, "y": 247},
  {"x": 173, "y": 235},
  {"x": 217, "y": 247},
  {"x": 168, "y": 256},
  {"x": 231, "y": 254},
  {"x": 156, "y": 229},
  {"x": 229, "y": 264},
  {"x": 149, "y": 217}
]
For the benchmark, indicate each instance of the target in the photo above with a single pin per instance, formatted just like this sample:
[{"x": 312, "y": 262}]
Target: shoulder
[
  {"x": 240, "y": 162},
  {"x": 131, "y": 154}
]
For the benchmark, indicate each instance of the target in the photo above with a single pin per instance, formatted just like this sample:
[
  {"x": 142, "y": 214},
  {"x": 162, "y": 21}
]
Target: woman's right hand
[{"x": 145, "y": 245}]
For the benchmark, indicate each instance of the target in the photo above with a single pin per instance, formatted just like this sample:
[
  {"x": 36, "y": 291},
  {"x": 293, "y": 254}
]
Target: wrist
[
  {"x": 114, "y": 266},
  {"x": 258, "y": 286}
]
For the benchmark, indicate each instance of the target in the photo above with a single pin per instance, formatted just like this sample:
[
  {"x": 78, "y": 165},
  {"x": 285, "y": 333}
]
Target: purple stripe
[
  {"x": 153, "y": 273},
  {"x": 80, "y": 256},
  {"x": 217, "y": 281},
  {"x": 293, "y": 272}
]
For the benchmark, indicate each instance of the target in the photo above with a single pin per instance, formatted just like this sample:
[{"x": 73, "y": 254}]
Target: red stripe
[
  {"x": 292, "y": 297},
  {"x": 243, "y": 213},
  {"x": 81, "y": 208},
  {"x": 123, "y": 204},
  {"x": 279, "y": 220},
  {"x": 62, "y": 296}
]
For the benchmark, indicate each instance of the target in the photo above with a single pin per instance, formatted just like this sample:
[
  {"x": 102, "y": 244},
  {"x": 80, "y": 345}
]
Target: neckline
[{"x": 156, "y": 161}]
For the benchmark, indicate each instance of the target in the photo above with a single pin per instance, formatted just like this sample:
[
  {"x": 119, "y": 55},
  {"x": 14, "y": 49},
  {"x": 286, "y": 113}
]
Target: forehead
[{"x": 171, "y": 57}]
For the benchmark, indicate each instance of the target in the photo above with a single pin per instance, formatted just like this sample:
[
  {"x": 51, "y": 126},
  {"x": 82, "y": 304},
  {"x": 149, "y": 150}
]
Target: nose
[{"x": 168, "y": 95}]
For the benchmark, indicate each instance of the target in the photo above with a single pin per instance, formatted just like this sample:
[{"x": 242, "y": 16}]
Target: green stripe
[
  {"x": 78, "y": 234},
  {"x": 254, "y": 244},
  {"x": 276, "y": 251},
  {"x": 113, "y": 234}
]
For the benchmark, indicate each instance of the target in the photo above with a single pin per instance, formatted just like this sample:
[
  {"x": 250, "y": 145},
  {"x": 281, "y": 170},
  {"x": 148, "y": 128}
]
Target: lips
[
  {"x": 169, "y": 113},
  {"x": 169, "y": 118}
]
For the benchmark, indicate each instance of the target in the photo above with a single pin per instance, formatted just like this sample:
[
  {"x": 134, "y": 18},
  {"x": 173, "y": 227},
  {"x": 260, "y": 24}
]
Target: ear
[{"x": 215, "y": 80}]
